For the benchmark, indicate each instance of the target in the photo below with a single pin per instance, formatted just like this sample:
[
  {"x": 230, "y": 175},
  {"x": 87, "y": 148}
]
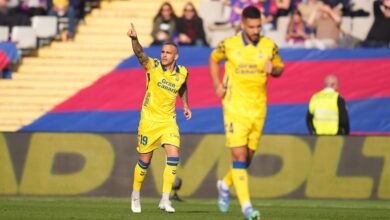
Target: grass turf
[{"x": 118, "y": 208}]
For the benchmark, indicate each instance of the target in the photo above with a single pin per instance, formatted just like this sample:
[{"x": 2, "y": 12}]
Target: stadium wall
[{"x": 90, "y": 164}]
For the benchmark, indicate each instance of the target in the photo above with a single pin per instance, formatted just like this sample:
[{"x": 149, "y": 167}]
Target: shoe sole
[{"x": 163, "y": 209}]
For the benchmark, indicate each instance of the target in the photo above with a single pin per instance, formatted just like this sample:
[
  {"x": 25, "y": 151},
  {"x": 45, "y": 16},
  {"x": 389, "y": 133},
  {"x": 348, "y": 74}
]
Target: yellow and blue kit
[
  {"x": 158, "y": 117},
  {"x": 245, "y": 100}
]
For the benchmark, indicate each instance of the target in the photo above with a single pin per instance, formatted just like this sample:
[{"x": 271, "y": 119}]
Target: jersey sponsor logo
[
  {"x": 164, "y": 84},
  {"x": 248, "y": 69}
]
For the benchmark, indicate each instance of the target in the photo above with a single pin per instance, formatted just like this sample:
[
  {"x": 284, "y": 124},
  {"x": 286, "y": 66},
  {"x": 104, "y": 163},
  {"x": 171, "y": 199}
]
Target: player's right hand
[
  {"x": 268, "y": 67},
  {"x": 132, "y": 33},
  {"x": 220, "y": 91}
]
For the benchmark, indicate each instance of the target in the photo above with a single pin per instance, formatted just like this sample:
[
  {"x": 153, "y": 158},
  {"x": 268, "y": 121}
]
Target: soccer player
[
  {"x": 250, "y": 59},
  {"x": 157, "y": 127}
]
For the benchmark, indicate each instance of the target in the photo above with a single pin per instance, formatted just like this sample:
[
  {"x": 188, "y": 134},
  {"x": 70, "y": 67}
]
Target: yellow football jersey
[
  {"x": 244, "y": 77},
  {"x": 162, "y": 87}
]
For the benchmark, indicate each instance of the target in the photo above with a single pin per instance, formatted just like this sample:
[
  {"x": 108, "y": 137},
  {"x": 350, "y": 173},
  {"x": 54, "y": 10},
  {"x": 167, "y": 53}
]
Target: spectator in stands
[
  {"x": 326, "y": 26},
  {"x": 237, "y": 8},
  {"x": 10, "y": 17},
  {"x": 327, "y": 113},
  {"x": 190, "y": 27},
  {"x": 164, "y": 24},
  {"x": 34, "y": 7},
  {"x": 284, "y": 7},
  {"x": 64, "y": 8},
  {"x": 307, "y": 7},
  {"x": 269, "y": 11},
  {"x": 296, "y": 32},
  {"x": 79, "y": 6},
  {"x": 379, "y": 35},
  {"x": 343, "y": 4}
]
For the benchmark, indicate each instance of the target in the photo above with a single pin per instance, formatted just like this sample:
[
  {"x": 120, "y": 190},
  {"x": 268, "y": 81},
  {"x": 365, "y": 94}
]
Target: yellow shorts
[
  {"x": 243, "y": 131},
  {"x": 152, "y": 135}
]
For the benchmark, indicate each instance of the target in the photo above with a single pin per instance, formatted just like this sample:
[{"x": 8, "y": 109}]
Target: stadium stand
[{"x": 63, "y": 68}]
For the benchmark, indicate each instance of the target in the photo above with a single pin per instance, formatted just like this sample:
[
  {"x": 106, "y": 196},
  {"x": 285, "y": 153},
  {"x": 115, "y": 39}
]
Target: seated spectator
[
  {"x": 379, "y": 35},
  {"x": 340, "y": 3},
  {"x": 326, "y": 26},
  {"x": 34, "y": 7},
  {"x": 306, "y": 8},
  {"x": 190, "y": 27},
  {"x": 10, "y": 17},
  {"x": 284, "y": 7},
  {"x": 296, "y": 32},
  {"x": 64, "y": 8},
  {"x": 237, "y": 8},
  {"x": 269, "y": 12},
  {"x": 164, "y": 24},
  {"x": 79, "y": 7}
]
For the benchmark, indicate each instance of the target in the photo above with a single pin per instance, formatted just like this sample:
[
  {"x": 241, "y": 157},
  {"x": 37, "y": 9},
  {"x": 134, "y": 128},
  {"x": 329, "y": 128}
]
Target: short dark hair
[
  {"x": 251, "y": 12},
  {"x": 172, "y": 44}
]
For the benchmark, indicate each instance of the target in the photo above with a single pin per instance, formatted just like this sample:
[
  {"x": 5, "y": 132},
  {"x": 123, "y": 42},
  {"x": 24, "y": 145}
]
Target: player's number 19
[{"x": 144, "y": 140}]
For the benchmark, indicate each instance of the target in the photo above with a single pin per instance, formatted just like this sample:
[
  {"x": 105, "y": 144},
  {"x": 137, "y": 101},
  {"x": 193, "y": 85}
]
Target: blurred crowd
[
  {"x": 20, "y": 12},
  {"x": 312, "y": 23},
  {"x": 185, "y": 30}
]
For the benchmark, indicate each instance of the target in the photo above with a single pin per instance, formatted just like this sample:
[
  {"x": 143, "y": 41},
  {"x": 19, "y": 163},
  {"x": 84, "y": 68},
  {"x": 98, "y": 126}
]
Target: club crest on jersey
[
  {"x": 177, "y": 78},
  {"x": 260, "y": 55}
]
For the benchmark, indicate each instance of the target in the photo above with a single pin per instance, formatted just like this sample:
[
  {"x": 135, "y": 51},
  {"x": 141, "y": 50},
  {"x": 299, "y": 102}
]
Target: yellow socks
[
  {"x": 240, "y": 181},
  {"x": 228, "y": 179},
  {"x": 170, "y": 173},
  {"x": 140, "y": 171}
]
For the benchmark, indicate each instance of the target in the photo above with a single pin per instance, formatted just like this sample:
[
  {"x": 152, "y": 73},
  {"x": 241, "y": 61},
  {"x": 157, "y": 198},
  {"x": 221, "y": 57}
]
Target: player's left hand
[
  {"x": 268, "y": 67},
  {"x": 187, "y": 113}
]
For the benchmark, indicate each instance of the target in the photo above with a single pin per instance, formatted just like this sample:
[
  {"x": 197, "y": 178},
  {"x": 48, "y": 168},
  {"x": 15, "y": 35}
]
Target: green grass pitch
[{"x": 95, "y": 208}]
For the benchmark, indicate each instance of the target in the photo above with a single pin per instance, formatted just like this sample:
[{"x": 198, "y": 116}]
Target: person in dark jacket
[
  {"x": 190, "y": 27},
  {"x": 379, "y": 35}
]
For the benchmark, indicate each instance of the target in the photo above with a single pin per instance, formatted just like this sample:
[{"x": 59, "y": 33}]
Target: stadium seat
[
  {"x": 361, "y": 26},
  {"x": 24, "y": 36},
  {"x": 277, "y": 36},
  {"x": 212, "y": 12},
  {"x": 4, "y": 33},
  {"x": 217, "y": 36},
  {"x": 346, "y": 24},
  {"x": 44, "y": 26},
  {"x": 282, "y": 24}
]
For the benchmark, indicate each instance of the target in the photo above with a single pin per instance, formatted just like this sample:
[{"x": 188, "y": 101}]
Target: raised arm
[
  {"x": 137, "y": 48},
  {"x": 183, "y": 93}
]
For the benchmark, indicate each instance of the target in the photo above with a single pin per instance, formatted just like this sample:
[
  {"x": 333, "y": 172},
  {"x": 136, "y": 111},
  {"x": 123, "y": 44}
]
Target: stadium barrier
[{"x": 285, "y": 166}]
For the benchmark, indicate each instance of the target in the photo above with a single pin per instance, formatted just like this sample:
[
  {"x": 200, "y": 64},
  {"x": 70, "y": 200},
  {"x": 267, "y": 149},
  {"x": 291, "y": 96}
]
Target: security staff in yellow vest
[{"x": 327, "y": 114}]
